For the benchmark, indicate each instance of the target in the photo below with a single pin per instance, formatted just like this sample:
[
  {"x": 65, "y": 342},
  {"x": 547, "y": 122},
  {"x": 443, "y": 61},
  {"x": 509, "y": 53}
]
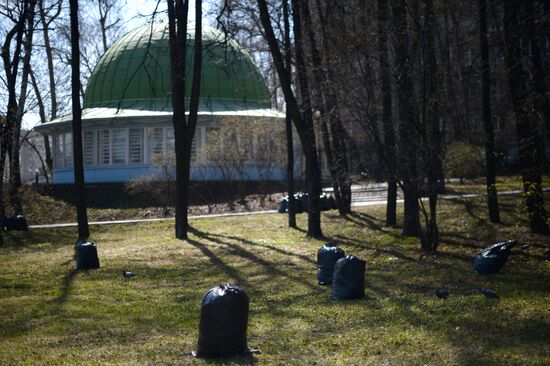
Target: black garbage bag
[
  {"x": 14, "y": 223},
  {"x": 298, "y": 204},
  {"x": 332, "y": 203},
  {"x": 86, "y": 255},
  {"x": 348, "y": 281},
  {"x": 327, "y": 256},
  {"x": 323, "y": 202},
  {"x": 223, "y": 323},
  {"x": 303, "y": 198},
  {"x": 490, "y": 260},
  {"x": 283, "y": 205}
]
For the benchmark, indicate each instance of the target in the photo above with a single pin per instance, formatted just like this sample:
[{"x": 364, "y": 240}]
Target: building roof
[{"x": 134, "y": 73}]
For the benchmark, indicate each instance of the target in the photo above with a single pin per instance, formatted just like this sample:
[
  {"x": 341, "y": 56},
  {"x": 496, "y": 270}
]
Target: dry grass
[{"x": 50, "y": 314}]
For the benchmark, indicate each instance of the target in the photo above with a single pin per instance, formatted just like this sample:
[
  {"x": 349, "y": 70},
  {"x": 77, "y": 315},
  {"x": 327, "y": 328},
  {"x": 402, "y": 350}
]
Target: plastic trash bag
[
  {"x": 223, "y": 322},
  {"x": 490, "y": 260},
  {"x": 348, "y": 281},
  {"x": 14, "y": 223},
  {"x": 86, "y": 255},
  {"x": 327, "y": 256},
  {"x": 283, "y": 205}
]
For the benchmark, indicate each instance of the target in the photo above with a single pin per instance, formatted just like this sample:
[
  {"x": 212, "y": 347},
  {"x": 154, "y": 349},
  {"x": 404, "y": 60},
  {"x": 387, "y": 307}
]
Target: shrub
[{"x": 464, "y": 161}]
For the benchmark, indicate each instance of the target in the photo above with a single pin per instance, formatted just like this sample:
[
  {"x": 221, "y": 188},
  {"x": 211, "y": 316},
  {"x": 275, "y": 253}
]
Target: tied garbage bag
[
  {"x": 14, "y": 223},
  {"x": 327, "y": 256},
  {"x": 490, "y": 260},
  {"x": 86, "y": 255},
  {"x": 348, "y": 281},
  {"x": 283, "y": 205},
  {"x": 223, "y": 323}
]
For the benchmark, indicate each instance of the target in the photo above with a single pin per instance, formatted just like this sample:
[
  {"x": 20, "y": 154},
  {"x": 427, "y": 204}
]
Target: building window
[
  {"x": 68, "y": 150},
  {"x": 103, "y": 147},
  {"x": 59, "y": 160},
  {"x": 170, "y": 141},
  {"x": 156, "y": 142},
  {"x": 119, "y": 146},
  {"x": 88, "y": 148},
  {"x": 135, "y": 143}
]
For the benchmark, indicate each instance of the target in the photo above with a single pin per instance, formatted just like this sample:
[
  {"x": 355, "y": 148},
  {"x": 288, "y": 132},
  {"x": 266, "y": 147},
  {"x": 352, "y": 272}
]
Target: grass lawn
[
  {"x": 50, "y": 314},
  {"x": 504, "y": 183}
]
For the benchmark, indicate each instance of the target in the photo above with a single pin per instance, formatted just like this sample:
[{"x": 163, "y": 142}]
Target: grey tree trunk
[
  {"x": 407, "y": 123},
  {"x": 288, "y": 124},
  {"x": 184, "y": 128},
  {"x": 490, "y": 155},
  {"x": 81, "y": 214},
  {"x": 387, "y": 123},
  {"x": 526, "y": 120},
  {"x": 304, "y": 125}
]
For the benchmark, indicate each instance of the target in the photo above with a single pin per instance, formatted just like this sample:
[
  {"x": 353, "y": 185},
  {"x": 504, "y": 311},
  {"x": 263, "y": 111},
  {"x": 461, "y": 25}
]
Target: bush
[
  {"x": 160, "y": 184},
  {"x": 464, "y": 161}
]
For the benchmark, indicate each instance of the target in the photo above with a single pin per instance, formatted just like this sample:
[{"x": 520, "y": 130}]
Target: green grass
[
  {"x": 504, "y": 183},
  {"x": 50, "y": 314}
]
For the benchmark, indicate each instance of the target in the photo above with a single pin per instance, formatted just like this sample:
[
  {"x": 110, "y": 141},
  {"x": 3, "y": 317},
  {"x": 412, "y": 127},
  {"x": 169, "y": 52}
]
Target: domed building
[{"x": 127, "y": 108}]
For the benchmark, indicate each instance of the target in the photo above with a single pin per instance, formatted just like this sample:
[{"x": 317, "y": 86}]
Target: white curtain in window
[
  {"x": 59, "y": 159},
  {"x": 156, "y": 141},
  {"x": 170, "y": 141},
  {"x": 88, "y": 148},
  {"x": 68, "y": 150},
  {"x": 136, "y": 145},
  {"x": 103, "y": 148},
  {"x": 119, "y": 146}
]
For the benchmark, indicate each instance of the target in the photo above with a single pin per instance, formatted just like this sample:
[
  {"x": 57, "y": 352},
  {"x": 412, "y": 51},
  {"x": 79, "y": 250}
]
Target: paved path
[{"x": 358, "y": 203}]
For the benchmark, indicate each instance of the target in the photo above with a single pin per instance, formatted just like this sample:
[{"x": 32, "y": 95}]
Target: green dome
[{"x": 134, "y": 73}]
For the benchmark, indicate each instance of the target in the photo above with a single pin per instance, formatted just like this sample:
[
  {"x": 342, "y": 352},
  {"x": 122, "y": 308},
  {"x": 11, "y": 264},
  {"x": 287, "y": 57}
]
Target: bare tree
[
  {"x": 490, "y": 154},
  {"x": 301, "y": 116},
  {"x": 288, "y": 123},
  {"x": 81, "y": 214},
  {"x": 516, "y": 14},
  {"x": 15, "y": 49},
  {"x": 389, "y": 133},
  {"x": 184, "y": 127},
  {"x": 407, "y": 121}
]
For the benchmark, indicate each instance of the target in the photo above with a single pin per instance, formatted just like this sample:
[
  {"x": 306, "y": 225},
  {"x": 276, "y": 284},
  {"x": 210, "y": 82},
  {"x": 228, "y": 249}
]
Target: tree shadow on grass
[
  {"x": 269, "y": 267},
  {"x": 66, "y": 285}
]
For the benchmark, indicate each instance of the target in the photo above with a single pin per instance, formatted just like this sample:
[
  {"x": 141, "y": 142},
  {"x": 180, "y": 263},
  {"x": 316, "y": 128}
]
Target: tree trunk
[
  {"x": 432, "y": 138},
  {"x": 490, "y": 159},
  {"x": 407, "y": 121},
  {"x": 81, "y": 214},
  {"x": 304, "y": 125},
  {"x": 526, "y": 118},
  {"x": 389, "y": 134},
  {"x": 184, "y": 128},
  {"x": 51, "y": 74},
  {"x": 313, "y": 171},
  {"x": 335, "y": 136},
  {"x": 288, "y": 125},
  {"x": 15, "y": 170}
]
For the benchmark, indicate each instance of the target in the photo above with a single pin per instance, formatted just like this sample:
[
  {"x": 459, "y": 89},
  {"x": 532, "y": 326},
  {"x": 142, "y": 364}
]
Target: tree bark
[
  {"x": 51, "y": 73},
  {"x": 288, "y": 124},
  {"x": 387, "y": 123},
  {"x": 184, "y": 128},
  {"x": 526, "y": 119},
  {"x": 407, "y": 121},
  {"x": 81, "y": 214},
  {"x": 304, "y": 125},
  {"x": 15, "y": 170},
  {"x": 490, "y": 158},
  {"x": 432, "y": 138},
  {"x": 333, "y": 131}
]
